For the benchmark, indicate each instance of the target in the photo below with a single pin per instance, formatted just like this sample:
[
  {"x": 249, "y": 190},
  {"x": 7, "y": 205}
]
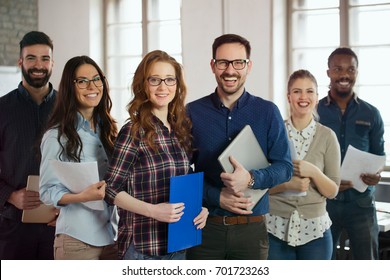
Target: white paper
[
  {"x": 294, "y": 156},
  {"x": 77, "y": 176},
  {"x": 293, "y": 151},
  {"x": 357, "y": 162}
]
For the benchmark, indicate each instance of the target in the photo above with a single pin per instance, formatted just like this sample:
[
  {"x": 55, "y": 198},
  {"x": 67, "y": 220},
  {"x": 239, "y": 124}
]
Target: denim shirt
[
  {"x": 89, "y": 226},
  {"x": 361, "y": 126}
]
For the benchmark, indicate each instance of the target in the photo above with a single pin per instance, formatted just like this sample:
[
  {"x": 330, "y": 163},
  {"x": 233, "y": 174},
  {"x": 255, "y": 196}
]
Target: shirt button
[{"x": 229, "y": 117}]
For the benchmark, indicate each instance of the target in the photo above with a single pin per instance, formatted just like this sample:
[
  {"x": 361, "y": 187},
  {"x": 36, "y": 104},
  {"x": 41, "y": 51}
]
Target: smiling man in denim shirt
[{"x": 359, "y": 124}]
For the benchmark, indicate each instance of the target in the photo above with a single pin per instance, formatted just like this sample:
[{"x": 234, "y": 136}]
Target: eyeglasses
[
  {"x": 83, "y": 83},
  {"x": 153, "y": 81},
  {"x": 223, "y": 64}
]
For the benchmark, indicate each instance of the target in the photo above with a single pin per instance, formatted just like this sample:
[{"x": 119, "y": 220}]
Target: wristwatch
[{"x": 251, "y": 182}]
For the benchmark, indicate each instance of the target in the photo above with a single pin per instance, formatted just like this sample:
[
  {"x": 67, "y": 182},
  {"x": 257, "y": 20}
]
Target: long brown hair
[
  {"x": 140, "y": 107},
  {"x": 64, "y": 115}
]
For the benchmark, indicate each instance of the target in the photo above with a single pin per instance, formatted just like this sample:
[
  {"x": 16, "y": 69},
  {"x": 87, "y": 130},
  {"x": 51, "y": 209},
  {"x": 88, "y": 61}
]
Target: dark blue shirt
[
  {"x": 21, "y": 124},
  {"x": 214, "y": 126},
  {"x": 361, "y": 126}
]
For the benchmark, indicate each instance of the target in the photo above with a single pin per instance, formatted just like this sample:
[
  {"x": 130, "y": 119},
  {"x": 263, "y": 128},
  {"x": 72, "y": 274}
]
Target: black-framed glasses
[
  {"x": 154, "y": 81},
  {"x": 238, "y": 64},
  {"x": 83, "y": 83}
]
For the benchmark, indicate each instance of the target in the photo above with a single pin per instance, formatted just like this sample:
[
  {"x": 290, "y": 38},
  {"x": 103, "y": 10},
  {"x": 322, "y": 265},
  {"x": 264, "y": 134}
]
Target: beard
[
  {"x": 36, "y": 82},
  {"x": 342, "y": 94},
  {"x": 231, "y": 90}
]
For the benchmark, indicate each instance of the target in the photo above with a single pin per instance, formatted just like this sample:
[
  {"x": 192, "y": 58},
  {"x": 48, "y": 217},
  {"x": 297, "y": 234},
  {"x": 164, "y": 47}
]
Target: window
[
  {"x": 318, "y": 27},
  {"x": 133, "y": 28}
]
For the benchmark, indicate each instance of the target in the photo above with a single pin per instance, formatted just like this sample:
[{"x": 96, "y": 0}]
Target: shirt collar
[
  {"x": 23, "y": 91},
  {"x": 305, "y": 133},
  {"x": 239, "y": 103},
  {"x": 330, "y": 100},
  {"x": 84, "y": 124},
  {"x": 156, "y": 121}
]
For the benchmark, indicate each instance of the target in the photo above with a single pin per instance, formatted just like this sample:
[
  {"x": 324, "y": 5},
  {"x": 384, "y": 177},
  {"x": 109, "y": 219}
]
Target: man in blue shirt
[
  {"x": 359, "y": 124},
  {"x": 232, "y": 231},
  {"x": 23, "y": 115}
]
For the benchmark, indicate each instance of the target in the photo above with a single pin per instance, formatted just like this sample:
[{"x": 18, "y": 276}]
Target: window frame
[
  {"x": 344, "y": 8},
  {"x": 121, "y": 91}
]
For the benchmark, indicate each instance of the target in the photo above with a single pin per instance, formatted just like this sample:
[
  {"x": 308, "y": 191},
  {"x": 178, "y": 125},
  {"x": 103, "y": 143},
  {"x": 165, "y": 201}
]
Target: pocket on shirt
[{"x": 362, "y": 128}]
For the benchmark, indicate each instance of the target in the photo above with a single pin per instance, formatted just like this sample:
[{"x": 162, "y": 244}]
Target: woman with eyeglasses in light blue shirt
[{"x": 80, "y": 129}]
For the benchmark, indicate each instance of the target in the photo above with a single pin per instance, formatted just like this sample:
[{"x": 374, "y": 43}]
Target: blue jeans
[
  {"x": 317, "y": 249},
  {"x": 358, "y": 218},
  {"x": 133, "y": 254}
]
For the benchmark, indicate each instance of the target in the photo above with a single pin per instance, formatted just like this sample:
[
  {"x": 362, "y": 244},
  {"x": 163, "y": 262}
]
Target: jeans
[
  {"x": 358, "y": 218},
  {"x": 133, "y": 254},
  {"x": 232, "y": 242},
  {"x": 317, "y": 249}
]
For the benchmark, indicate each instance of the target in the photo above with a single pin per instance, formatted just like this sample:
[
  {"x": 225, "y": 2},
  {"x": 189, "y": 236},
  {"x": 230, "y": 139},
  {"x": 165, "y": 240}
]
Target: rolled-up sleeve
[{"x": 50, "y": 188}]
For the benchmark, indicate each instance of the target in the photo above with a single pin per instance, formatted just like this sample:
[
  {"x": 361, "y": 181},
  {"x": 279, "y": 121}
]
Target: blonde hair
[{"x": 303, "y": 74}]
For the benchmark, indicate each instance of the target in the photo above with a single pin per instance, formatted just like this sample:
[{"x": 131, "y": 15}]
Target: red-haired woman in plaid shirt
[{"x": 152, "y": 146}]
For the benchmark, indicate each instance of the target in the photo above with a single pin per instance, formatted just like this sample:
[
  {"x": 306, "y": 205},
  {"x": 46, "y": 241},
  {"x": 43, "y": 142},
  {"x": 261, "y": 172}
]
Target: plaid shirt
[{"x": 145, "y": 174}]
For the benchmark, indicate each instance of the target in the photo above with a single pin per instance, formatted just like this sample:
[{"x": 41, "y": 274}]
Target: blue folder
[{"x": 189, "y": 190}]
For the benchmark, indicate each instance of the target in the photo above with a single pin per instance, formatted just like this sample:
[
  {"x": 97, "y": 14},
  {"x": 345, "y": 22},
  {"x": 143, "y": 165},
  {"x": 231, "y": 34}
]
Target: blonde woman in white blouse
[{"x": 298, "y": 224}]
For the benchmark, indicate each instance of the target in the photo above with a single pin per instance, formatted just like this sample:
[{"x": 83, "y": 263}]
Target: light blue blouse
[{"x": 89, "y": 226}]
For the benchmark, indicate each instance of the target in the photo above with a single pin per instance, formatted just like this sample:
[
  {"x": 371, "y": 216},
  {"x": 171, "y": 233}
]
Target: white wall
[
  {"x": 278, "y": 66},
  {"x": 204, "y": 20},
  {"x": 75, "y": 29}
]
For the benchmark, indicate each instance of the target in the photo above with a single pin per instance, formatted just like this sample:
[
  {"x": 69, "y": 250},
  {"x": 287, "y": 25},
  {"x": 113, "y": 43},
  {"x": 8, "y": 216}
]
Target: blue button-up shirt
[
  {"x": 361, "y": 126},
  {"x": 90, "y": 226},
  {"x": 215, "y": 126}
]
